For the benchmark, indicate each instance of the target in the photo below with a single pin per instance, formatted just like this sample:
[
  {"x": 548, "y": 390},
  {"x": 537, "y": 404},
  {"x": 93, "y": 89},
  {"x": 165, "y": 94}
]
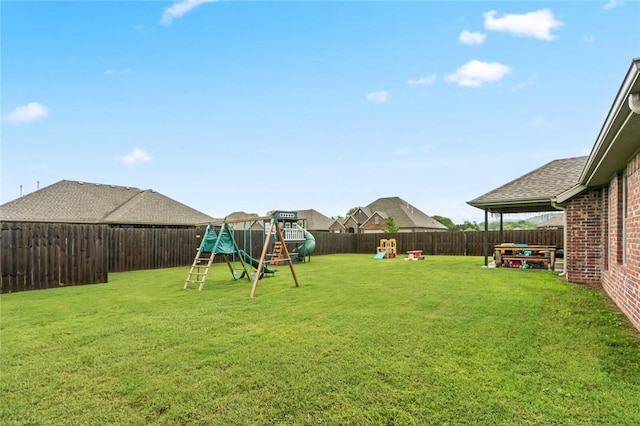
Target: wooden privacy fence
[
  {"x": 458, "y": 243},
  {"x": 131, "y": 249},
  {"x": 45, "y": 255}
]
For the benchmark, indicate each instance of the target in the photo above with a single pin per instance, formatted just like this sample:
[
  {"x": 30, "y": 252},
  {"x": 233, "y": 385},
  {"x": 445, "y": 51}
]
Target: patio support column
[
  {"x": 501, "y": 227},
  {"x": 486, "y": 238}
]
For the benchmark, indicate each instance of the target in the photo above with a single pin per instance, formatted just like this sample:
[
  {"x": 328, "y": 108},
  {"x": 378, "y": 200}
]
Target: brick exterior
[
  {"x": 599, "y": 249},
  {"x": 370, "y": 224},
  {"x": 584, "y": 238},
  {"x": 621, "y": 277},
  {"x": 351, "y": 226}
]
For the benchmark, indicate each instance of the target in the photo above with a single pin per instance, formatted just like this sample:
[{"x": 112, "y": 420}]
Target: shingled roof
[
  {"x": 535, "y": 191},
  {"x": 81, "y": 202},
  {"x": 315, "y": 221},
  {"x": 404, "y": 214}
]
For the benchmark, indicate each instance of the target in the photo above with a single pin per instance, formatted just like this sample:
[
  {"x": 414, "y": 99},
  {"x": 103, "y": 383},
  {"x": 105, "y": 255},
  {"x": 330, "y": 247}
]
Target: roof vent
[
  {"x": 634, "y": 102},
  {"x": 81, "y": 183}
]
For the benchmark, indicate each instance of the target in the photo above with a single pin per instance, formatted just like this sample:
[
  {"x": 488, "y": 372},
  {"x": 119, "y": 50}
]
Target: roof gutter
[
  {"x": 569, "y": 193},
  {"x": 625, "y": 99}
]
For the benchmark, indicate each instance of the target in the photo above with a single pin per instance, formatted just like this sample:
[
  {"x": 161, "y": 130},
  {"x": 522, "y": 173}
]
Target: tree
[
  {"x": 445, "y": 221},
  {"x": 390, "y": 225},
  {"x": 467, "y": 226},
  {"x": 352, "y": 210}
]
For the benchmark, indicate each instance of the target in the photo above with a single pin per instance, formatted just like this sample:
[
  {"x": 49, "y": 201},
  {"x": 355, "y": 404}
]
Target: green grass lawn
[{"x": 361, "y": 341}]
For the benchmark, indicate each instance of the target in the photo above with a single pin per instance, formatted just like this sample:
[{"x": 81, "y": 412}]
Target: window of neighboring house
[{"x": 376, "y": 220}]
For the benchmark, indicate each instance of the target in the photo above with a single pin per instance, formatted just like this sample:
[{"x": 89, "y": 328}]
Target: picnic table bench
[
  {"x": 414, "y": 255},
  {"x": 520, "y": 255}
]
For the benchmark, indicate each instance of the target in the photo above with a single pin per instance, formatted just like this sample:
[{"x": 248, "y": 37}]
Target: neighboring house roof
[
  {"x": 350, "y": 222},
  {"x": 361, "y": 214},
  {"x": 554, "y": 222},
  {"x": 534, "y": 192},
  {"x": 314, "y": 220},
  {"x": 253, "y": 221},
  {"x": 382, "y": 215},
  {"x": 337, "y": 225},
  {"x": 404, "y": 214},
  {"x": 81, "y": 202}
]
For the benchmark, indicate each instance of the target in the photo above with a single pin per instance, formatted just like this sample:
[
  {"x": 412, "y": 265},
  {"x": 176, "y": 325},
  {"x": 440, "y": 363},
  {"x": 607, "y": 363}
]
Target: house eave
[
  {"x": 613, "y": 148},
  {"x": 515, "y": 206},
  {"x": 570, "y": 193}
]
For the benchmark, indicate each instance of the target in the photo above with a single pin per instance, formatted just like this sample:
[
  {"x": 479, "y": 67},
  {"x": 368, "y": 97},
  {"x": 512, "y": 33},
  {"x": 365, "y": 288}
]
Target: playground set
[
  {"x": 279, "y": 228},
  {"x": 387, "y": 248}
]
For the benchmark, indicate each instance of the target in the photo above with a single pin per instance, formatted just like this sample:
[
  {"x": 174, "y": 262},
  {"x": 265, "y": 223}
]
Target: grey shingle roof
[
  {"x": 82, "y": 202},
  {"x": 554, "y": 222},
  {"x": 404, "y": 214},
  {"x": 314, "y": 220},
  {"x": 535, "y": 190}
]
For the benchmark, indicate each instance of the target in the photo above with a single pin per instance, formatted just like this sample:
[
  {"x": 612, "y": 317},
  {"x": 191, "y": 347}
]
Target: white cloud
[
  {"x": 118, "y": 72},
  {"x": 421, "y": 81},
  {"x": 475, "y": 73},
  {"x": 378, "y": 97},
  {"x": 180, "y": 8},
  {"x": 612, "y": 3},
  {"x": 589, "y": 38},
  {"x": 533, "y": 24},
  {"x": 31, "y": 111},
  {"x": 138, "y": 27},
  {"x": 467, "y": 37},
  {"x": 135, "y": 157}
]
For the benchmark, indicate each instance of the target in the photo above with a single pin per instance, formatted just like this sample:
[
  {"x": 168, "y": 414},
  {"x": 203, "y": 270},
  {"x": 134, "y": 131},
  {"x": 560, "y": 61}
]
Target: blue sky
[{"x": 256, "y": 105}]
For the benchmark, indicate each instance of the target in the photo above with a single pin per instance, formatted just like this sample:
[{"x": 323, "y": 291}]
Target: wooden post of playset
[{"x": 273, "y": 225}]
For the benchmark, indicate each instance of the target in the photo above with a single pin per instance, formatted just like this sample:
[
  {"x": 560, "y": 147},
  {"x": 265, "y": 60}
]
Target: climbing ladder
[
  {"x": 224, "y": 244},
  {"x": 276, "y": 254},
  {"x": 199, "y": 269},
  {"x": 213, "y": 244}
]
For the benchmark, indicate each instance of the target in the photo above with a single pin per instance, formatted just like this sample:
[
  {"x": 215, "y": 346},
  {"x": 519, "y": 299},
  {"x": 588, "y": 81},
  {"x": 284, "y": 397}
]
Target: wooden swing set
[{"x": 223, "y": 243}]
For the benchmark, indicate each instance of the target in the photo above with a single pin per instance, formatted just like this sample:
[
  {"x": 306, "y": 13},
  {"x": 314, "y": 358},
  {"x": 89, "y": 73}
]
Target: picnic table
[
  {"x": 516, "y": 255},
  {"x": 414, "y": 255}
]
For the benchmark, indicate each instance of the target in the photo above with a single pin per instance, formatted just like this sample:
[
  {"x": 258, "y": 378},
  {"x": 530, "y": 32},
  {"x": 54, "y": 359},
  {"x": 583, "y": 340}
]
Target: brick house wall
[
  {"x": 621, "y": 272},
  {"x": 351, "y": 226},
  {"x": 337, "y": 228},
  {"x": 583, "y": 247},
  {"x": 375, "y": 223}
]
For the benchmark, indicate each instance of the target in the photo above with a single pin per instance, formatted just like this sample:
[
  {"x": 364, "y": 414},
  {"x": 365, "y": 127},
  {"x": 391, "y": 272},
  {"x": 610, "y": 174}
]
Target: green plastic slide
[{"x": 309, "y": 245}]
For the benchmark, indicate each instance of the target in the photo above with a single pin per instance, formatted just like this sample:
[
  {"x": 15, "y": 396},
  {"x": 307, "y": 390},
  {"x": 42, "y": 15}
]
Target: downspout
[{"x": 564, "y": 235}]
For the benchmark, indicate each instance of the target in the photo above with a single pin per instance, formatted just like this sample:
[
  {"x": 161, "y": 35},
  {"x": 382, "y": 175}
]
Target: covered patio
[{"x": 534, "y": 192}]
